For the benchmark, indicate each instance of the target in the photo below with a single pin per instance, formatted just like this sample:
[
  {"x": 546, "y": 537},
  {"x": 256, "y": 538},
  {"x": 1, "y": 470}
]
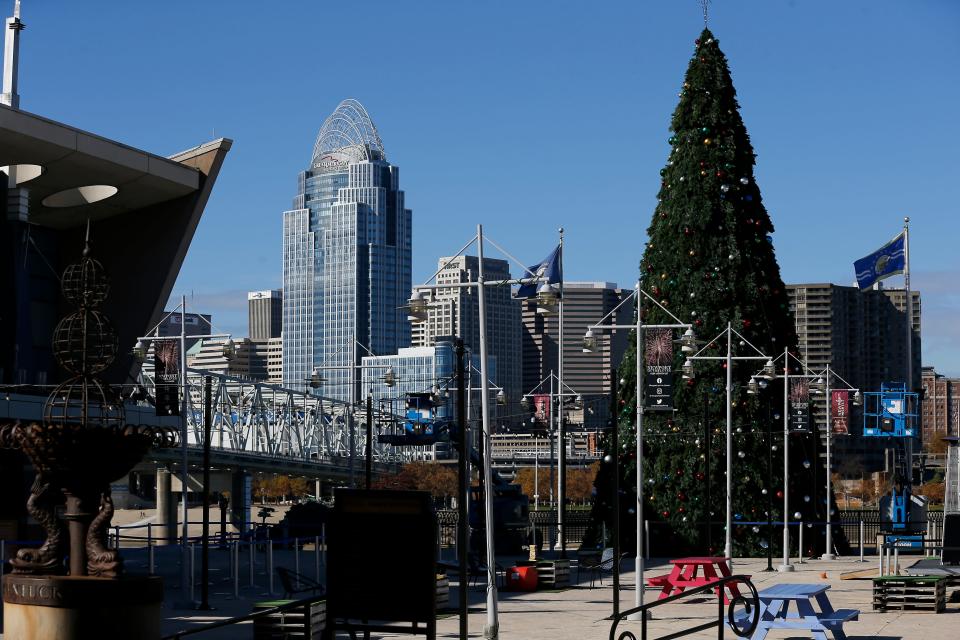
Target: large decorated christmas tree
[{"x": 710, "y": 261}]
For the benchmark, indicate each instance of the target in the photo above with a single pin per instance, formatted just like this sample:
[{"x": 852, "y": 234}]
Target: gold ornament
[{"x": 707, "y": 141}]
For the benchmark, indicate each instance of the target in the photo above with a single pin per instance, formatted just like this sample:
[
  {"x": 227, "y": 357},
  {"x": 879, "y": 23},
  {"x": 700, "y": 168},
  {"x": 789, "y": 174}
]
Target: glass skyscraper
[{"x": 346, "y": 257}]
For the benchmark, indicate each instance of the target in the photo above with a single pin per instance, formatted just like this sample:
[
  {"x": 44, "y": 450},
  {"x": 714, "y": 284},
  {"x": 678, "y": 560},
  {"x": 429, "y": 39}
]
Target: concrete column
[
  {"x": 241, "y": 492},
  {"x": 166, "y": 508}
]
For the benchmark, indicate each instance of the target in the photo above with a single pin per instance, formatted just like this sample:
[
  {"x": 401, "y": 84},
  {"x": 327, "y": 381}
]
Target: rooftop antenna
[{"x": 11, "y": 53}]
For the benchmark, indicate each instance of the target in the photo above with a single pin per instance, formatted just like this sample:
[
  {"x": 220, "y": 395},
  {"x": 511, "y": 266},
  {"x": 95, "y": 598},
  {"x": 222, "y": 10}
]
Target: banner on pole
[
  {"x": 658, "y": 394},
  {"x": 799, "y": 407},
  {"x": 166, "y": 363},
  {"x": 840, "y": 411},
  {"x": 541, "y": 408}
]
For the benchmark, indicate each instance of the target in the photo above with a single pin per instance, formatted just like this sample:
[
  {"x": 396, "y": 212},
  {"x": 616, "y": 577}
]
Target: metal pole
[
  {"x": 184, "y": 533},
  {"x": 252, "y": 547},
  {"x": 463, "y": 525},
  {"x": 270, "y": 566},
  {"x": 192, "y": 576},
  {"x": 552, "y": 450},
  {"x": 800, "y": 551},
  {"x": 369, "y": 449},
  {"x": 316, "y": 556},
  {"x": 786, "y": 566},
  {"x": 296, "y": 554},
  {"x": 235, "y": 553},
  {"x": 323, "y": 541},
  {"x": 908, "y": 313},
  {"x": 562, "y": 431},
  {"x": 615, "y": 460},
  {"x": 728, "y": 541},
  {"x": 828, "y": 552},
  {"x": 492, "y": 628},
  {"x": 150, "y": 558},
  {"x": 769, "y": 486},
  {"x": 205, "y": 540},
  {"x": 638, "y": 558},
  {"x": 861, "y": 540}
]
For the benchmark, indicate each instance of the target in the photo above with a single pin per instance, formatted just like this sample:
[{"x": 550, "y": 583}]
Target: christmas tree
[{"x": 710, "y": 261}]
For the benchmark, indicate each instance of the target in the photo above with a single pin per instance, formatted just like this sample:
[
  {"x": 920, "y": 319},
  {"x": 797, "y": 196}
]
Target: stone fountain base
[{"x": 79, "y": 608}]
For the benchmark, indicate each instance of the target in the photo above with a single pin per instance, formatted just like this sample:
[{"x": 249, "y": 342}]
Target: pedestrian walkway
[{"x": 581, "y": 613}]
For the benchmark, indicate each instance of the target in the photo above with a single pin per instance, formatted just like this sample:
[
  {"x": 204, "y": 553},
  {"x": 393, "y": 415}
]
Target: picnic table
[
  {"x": 694, "y": 572},
  {"x": 775, "y": 611}
]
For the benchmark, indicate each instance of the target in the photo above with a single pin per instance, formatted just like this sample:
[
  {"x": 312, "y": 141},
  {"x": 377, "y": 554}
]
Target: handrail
[
  {"x": 719, "y": 622},
  {"x": 246, "y": 618}
]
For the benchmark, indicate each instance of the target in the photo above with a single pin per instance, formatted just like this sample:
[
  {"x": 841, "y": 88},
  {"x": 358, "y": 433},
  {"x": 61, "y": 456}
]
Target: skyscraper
[
  {"x": 456, "y": 312},
  {"x": 265, "y": 314},
  {"x": 346, "y": 257}
]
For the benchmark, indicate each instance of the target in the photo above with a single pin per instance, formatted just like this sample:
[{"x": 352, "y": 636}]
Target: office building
[
  {"x": 456, "y": 312},
  {"x": 275, "y": 360},
  {"x": 862, "y": 336},
  {"x": 249, "y": 358},
  {"x": 346, "y": 257},
  {"x": 588, "y": 374},
  {"x": 194, "y": 324},
  {"x": 940, "y": 411},
  {"x": 265, "y": 314}
]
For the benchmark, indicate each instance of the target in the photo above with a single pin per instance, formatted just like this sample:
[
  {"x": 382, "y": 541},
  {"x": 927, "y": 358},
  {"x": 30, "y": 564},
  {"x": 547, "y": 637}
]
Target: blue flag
[
  {"x": 549, "y": 269},
  {"x": 886, "y": 261}
]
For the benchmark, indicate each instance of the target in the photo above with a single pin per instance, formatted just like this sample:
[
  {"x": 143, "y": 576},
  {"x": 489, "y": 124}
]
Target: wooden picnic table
[
  {"x": 695, "y": 572},
  {"x": 775, "y": 611}
]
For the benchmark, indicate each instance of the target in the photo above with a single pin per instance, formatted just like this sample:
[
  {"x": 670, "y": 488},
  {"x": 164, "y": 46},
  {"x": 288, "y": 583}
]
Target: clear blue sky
[{"x": 528, "y": 115}]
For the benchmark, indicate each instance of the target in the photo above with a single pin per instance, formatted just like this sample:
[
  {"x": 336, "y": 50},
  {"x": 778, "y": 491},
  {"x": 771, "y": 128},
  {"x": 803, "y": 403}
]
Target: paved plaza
[{"x": 577, "y": 613}]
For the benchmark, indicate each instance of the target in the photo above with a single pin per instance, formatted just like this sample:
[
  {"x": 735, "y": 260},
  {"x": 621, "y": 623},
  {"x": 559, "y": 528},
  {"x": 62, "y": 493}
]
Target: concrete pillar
[
  {"x": 241, "y": 497},
  {"x": 166, "y": 508}
]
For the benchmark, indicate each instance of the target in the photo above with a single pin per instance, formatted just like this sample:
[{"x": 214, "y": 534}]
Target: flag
[
  {"x": 840, "y": 411},
  {"x": 886, "y": 261},
  {"x": 549, "y": 269}
]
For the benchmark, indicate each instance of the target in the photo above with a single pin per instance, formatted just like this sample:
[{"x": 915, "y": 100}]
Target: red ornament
[
  {"x": 780, "y": 494},
  {"x": 681, "y": 496},
  {"x": 681, "y": 510},
  {"x": 721, "y": 174},
  {"x": 679, "y": 472},
  {"x": 686, "y": 231},
  {"x": 698, "y": 322},
  {"x": 666, "y": 514},
  {"x": 700, "y": 476},
  {"x": 746, "y": 323}
]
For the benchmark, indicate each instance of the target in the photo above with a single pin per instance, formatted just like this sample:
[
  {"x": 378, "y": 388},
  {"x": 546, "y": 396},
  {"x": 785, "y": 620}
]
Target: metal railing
[{"x": 751, "y": 606}]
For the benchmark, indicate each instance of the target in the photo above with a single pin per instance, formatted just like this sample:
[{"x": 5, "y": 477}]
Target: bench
[{"x": 659, "y": 581}]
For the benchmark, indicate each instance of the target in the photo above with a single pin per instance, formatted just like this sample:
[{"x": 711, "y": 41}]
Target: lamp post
[
  {"x": 140, "y": 354},
  {"x": 729, "y": 332},
  {"x": 417, "y": 312},
  {"x": 823, "y": 382},
  {"x": 589, "y": 344}
]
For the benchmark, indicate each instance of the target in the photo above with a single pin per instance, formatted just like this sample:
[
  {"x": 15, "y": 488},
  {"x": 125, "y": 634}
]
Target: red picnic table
[{"x": 694, "y": 572}]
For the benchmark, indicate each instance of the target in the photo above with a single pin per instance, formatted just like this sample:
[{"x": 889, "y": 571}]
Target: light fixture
[
  {"x": 817, "y": 386},
  {"x": 525, "y": 403},
  {"x": 79, "y": 196},
  {"x": 752, "y": 386},
  {"x": 762, "y": 383},
  {"x": 501, "y": 397},
  {"x": 687, "y": 369},
  {"x": 769, "y": 371},
  {"x": 417, "y": 312},
  {"x": 229, "y": 349},
  {"x": 857, "y": 398},
  {"x": 689, "y": 341},
  {"x": 140, "y": 351},
  {"x": 546, "y": 302},
  {"x": 315, "y": 379},
  {"x": 389, "y": 378},
  {"x": 589, "y": 342}
]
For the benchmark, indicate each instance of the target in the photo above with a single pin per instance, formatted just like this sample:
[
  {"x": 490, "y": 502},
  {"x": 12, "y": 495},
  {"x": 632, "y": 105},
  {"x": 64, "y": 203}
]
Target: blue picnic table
[{"x": 775, "y": 611}]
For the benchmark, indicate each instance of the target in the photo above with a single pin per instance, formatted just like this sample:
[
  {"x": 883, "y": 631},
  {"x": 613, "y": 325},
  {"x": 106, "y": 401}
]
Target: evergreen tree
[{"x": 710, "y": 260}]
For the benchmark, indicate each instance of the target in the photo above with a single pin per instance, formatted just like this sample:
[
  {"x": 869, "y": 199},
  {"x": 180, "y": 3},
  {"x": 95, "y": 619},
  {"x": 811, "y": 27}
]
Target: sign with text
[
  {"x": 166, "y": 362},
  {"x": 840, "y": 411},
  {"x": 658, "y": 392},
  {"x": 799, "y": 418},
  {"x": 541, "y": 408}
]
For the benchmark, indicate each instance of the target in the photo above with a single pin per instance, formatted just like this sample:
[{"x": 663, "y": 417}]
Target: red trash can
[{"x": 522, "y": 579}]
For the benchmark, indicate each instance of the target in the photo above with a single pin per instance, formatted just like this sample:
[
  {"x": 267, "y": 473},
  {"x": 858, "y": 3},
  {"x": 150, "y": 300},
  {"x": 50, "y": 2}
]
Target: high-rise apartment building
[
  {"x": 862, "y": 336},
  {"x": 265, "y": 314},
  {"x": 940, "y": 414},
  {"x": 346, "y": 257},
  {"x": 456, "y": 312},
  {"x": 588, "y": 374}
]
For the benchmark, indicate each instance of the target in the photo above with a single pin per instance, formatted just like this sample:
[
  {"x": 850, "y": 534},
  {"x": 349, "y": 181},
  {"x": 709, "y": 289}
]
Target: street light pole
[
  {"x": 828, "y": 552},
  {"x": 492, "y": 628},
  {"x": 786, "y": 566},
  {"x": 639, "y": 587},
  {"x": 728, "y": 539},
  {"x": 561, "y": 430},
  {"x": 185, "y": 576}
]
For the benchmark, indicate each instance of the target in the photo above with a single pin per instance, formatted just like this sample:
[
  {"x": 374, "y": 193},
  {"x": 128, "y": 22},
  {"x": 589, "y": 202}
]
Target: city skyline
[{"x": 821, "y": 117}]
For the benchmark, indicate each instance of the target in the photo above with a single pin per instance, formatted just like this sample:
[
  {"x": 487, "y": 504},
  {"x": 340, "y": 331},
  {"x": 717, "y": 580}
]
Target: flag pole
[
  {"x": 561, "y": 430},
  {"x": 908, "y": 302}
]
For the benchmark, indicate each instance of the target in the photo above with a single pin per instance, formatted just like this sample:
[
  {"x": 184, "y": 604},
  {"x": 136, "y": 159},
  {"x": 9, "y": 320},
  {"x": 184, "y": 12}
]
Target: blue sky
[{"x": 530, "y": 115}]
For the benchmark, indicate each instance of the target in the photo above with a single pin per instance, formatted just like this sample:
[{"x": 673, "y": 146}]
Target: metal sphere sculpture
[{"x": 83, "y": 443}]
